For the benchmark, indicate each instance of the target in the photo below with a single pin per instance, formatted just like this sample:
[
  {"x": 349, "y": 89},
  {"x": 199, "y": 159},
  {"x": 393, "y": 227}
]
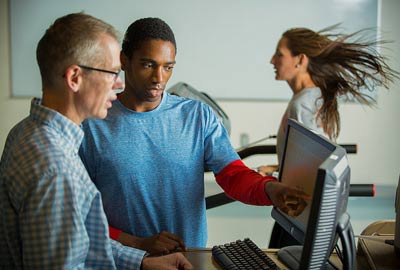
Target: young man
[
  {"x": 51, "y": 214},
  {"x": 153, "y": 192}
]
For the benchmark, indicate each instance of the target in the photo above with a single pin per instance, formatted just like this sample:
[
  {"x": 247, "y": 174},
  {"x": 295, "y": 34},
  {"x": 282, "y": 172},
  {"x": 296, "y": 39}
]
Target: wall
[
  {"x": 216, "y": 50},
  {"x": 375, "y": 131},
  {"x": 11, "y": 110}
]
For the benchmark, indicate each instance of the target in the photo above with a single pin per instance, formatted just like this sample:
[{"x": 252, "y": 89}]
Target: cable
[
  {"x": 339, "y": 252},
  {"x": 333, "y": 265}
]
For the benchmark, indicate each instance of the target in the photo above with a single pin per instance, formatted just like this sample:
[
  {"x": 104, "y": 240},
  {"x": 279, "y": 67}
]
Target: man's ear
[
  {"x": 124, "y": 61},
  {"x": 73, "y": 77}
]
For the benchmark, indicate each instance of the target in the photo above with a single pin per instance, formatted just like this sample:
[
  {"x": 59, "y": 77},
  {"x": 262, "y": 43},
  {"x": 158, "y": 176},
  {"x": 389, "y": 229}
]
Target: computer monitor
[{"x": 320, "y": 168}]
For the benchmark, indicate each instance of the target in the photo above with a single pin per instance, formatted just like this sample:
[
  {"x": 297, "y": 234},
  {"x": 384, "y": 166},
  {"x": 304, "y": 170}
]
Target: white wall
[
  {"x": 375, "y": 131},
  {"x": 11, "y": 110},
  {"x": 231, "y": 52}
]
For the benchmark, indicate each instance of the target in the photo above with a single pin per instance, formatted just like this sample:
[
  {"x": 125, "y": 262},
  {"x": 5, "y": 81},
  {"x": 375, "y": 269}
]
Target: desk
[
  {"x": 373, "y": 253},
  {"x": 201, "y": 259},
  {"x": 377, "y": 255}
]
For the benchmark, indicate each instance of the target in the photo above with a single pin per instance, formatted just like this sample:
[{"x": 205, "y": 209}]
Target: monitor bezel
[
  {"x": 306, "y": 236},
  {"x": 284, "y": 220},
  {"x": 341, "y": 184}
]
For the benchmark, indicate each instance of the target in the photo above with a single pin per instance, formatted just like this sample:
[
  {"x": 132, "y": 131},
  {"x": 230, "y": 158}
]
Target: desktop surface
[
  {"x": 371, "y": 254},
  {"x": 202, "y": 259},
  {"x": 377, "y": 255},
  {"x": 372, "y": 251}
]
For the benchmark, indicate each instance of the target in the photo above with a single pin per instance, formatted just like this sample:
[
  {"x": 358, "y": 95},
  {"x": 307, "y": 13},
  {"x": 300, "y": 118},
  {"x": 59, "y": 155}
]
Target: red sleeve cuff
[
  {"x": 114, "y": 233},
  {"x": 243, "y": 184}
]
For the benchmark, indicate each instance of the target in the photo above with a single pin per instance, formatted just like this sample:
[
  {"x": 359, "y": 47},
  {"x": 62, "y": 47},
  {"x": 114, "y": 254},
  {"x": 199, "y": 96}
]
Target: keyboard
[{"x": 242, "y": 254}]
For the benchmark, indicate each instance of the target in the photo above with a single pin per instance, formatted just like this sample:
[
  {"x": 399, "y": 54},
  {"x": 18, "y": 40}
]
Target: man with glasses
[{"x": 51, "y": 214}]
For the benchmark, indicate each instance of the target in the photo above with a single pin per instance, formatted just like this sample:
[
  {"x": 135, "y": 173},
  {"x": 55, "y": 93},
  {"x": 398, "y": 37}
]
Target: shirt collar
[{"x": 60, "y": 123}]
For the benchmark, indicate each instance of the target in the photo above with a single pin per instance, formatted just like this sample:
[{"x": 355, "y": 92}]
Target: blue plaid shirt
[{"x": 51, "y": 214}]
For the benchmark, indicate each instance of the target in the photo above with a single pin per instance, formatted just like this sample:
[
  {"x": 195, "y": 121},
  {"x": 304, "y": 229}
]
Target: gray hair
[{"x": 71, "y": 39}]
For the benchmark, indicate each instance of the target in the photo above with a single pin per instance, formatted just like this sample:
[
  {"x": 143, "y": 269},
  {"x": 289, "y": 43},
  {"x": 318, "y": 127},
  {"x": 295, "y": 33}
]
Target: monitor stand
[{"x": 291, "y": 256}]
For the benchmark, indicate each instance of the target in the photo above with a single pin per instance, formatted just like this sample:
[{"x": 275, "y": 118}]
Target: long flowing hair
[{"x": 341, "y": 64}]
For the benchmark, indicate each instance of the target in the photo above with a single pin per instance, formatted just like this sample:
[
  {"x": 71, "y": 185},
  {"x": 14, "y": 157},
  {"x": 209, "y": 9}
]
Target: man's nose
[
  {"x": 158, "y": 75},
  {"x": 119, "y": 83}
]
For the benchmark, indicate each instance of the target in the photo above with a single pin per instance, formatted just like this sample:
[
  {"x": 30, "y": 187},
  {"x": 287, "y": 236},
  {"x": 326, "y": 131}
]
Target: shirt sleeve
[
  {"x": 243, "y": 184},
  {"x": 304, "y": 108},
  {"x": 218, "y": 150},
  {"x": 51, "y": 226},
  {"x": 57, "y": 235},
  {"x": 127, "y": 258},
  {"x": 303, "y": 114},
  {"x": 114, "y": 233}
]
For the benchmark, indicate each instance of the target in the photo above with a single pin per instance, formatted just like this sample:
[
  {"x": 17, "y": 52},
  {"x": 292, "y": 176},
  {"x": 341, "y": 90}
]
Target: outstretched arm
[{"x": 243, "y": 184}]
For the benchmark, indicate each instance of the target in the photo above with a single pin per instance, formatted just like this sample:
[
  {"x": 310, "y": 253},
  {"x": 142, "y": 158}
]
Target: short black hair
[{"x": 143, "y": 30}]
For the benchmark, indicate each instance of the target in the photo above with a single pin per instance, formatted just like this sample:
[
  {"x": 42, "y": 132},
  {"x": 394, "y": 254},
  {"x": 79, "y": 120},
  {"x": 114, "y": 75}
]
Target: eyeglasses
[{"x": 115, "y": 73}]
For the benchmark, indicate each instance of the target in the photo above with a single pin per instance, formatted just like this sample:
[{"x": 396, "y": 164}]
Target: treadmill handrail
[
  {"x": 271, "y": 149},
  {"x": 356, "y": 190}
]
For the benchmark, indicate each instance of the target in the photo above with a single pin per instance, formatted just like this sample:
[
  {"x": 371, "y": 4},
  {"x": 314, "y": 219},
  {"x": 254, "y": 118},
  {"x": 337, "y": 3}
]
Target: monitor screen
[
  {"x": 318, "y": 167},
  {"x": 302, "y": 156}
]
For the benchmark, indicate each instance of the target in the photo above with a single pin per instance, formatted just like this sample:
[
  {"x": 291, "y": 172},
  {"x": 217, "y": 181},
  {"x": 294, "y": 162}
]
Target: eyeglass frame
[{"x": 115, "y": 73}]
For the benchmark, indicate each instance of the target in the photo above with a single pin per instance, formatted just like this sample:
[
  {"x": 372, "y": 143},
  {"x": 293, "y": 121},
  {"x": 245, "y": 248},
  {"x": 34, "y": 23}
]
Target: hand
[
  {"x": 159, "y": 244},
  {"x": 267, "y": 169},
  {"x": 290, "y": 200},
  {"x": 174, "y": 261}
]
